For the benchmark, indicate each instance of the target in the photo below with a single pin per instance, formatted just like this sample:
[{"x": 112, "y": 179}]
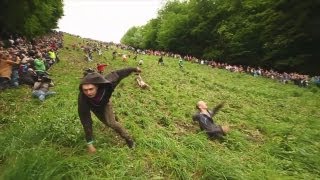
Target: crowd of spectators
[
  {"x": 284, "y": 77},
  {"x": 24, "y": 61}
]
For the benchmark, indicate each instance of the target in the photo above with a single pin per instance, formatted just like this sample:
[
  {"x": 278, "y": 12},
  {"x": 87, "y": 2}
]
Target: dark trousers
[
  {"x": 109, "y": 119},
  {"x": 4, "y": 83}
]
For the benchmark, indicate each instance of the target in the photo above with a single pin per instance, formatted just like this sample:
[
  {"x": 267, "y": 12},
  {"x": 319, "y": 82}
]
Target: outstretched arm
[
  {"x": 116, "y": 76},
  {"x": 217, "y": 108},
  {"x": 195, "y": 117}
]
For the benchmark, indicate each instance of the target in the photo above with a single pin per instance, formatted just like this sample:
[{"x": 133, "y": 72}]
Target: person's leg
[
  {"x": 14, "y": 78},
  {"x": 4, "y": 83},
  {"x": 39, "y": 94},
  {"x": 110, "y": 120},
  {"x": 50, "y": 93},
  {"x": 216, "y": 131}
]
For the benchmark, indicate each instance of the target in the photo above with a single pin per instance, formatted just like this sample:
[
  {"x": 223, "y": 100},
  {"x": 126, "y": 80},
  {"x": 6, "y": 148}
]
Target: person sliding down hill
[
  {"x": 101, "y": 67},
  {"x": 95, "y": 93},
  {"x": 206, "y": 123},
  {"x": 141, "y": 83}
]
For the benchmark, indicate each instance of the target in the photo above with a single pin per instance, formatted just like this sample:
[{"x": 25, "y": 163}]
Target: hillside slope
[{"x": 275, "y": 127}]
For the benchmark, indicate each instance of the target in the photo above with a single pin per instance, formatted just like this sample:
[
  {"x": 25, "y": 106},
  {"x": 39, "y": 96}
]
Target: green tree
[
  {"x": 283, "y": 35},
  {"x": 29, "y": 18},
  {"x": 150, "y": 31},
  {"x": 291, "y": 36},
  {"x": 128, "y": 38}
]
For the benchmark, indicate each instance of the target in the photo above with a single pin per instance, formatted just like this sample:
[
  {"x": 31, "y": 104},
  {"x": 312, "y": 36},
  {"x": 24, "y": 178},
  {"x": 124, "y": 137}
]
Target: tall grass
[{"x": 275, "y": 127}]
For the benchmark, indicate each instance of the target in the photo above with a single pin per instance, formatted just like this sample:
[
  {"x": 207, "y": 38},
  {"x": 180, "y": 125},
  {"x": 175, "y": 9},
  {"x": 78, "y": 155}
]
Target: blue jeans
[
  {"x": 41, "y": 95},
  {"x": 14, "y": 78}
]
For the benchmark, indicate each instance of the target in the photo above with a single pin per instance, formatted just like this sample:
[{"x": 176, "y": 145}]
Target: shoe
[{"x": 130, "y": 143}]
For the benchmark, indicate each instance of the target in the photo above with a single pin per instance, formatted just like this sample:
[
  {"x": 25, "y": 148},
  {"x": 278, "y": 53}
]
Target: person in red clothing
[{"x": 101, "y": 67}]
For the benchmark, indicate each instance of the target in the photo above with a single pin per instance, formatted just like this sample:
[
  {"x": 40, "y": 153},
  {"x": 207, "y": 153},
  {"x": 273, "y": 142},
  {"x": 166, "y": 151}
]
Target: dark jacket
[
  {"x": 207, "y": 123},
  {"x": 106, "y": 86}
]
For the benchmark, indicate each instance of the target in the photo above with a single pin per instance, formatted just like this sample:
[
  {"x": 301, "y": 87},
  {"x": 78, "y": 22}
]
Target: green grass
[{"x": 275, "y": 127}]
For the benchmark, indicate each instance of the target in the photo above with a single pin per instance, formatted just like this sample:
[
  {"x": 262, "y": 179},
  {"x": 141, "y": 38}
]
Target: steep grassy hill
[{"x": 275, "y": 127}]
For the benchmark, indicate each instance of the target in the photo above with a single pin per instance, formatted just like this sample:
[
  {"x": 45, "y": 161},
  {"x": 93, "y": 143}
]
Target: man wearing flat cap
[{"x": 95, "y": 94}]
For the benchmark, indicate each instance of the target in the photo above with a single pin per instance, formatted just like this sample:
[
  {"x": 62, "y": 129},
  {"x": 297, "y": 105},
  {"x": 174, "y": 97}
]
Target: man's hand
[
  {"x": 91, "y": 149},
  {"x": 225, "y": 129}
]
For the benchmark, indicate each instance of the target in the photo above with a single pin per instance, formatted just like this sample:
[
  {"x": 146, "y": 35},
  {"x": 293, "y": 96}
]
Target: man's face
[
  {"x": 202, "y": 105},
  {"x": 89, "y": 90}
]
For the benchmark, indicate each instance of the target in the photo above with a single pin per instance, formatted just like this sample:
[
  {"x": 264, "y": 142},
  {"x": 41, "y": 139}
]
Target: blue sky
[{"x": 106, "y": 20}]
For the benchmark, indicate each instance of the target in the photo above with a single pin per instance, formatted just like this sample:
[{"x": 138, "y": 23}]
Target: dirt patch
[
  {"x": 254, "y": 135},
  {"x": 183, "y": 128}
]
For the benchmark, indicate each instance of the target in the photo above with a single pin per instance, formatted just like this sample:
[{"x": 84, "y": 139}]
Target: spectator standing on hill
[
  {"x": 95, "y": 94},
  {"x": 160, "y": 61},
  {"x": 114, "y": 55},
  {"x": 99, "y": 52},
  {"x": 205, "y": 119},
  {"x": 89, "y": 55},
  {"x": 180, "y": 63},
  {"x": 135, "y": 57}
]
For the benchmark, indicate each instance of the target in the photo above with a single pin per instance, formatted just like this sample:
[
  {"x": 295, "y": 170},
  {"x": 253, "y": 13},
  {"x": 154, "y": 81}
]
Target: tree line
[
  {"x": 277, "y": 34},
  {"x": 29, "y": 18}
]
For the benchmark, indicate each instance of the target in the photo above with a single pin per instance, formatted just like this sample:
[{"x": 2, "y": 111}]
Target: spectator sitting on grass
[
  {"x": 206, "y": 123},
  {"x": 39, "y": 65},
  {"x": 6, "y": 65}
]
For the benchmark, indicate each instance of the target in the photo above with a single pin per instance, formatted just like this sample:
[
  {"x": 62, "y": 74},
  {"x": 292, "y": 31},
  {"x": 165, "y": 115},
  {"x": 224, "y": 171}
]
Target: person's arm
[
  {"x": 10, "y": 62},
  {"x": 195, "y": 117},
  {"x": 85, "y": 118},
  {"x": 116, "y": 76},
  {"x": 216, "y": 109}
]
